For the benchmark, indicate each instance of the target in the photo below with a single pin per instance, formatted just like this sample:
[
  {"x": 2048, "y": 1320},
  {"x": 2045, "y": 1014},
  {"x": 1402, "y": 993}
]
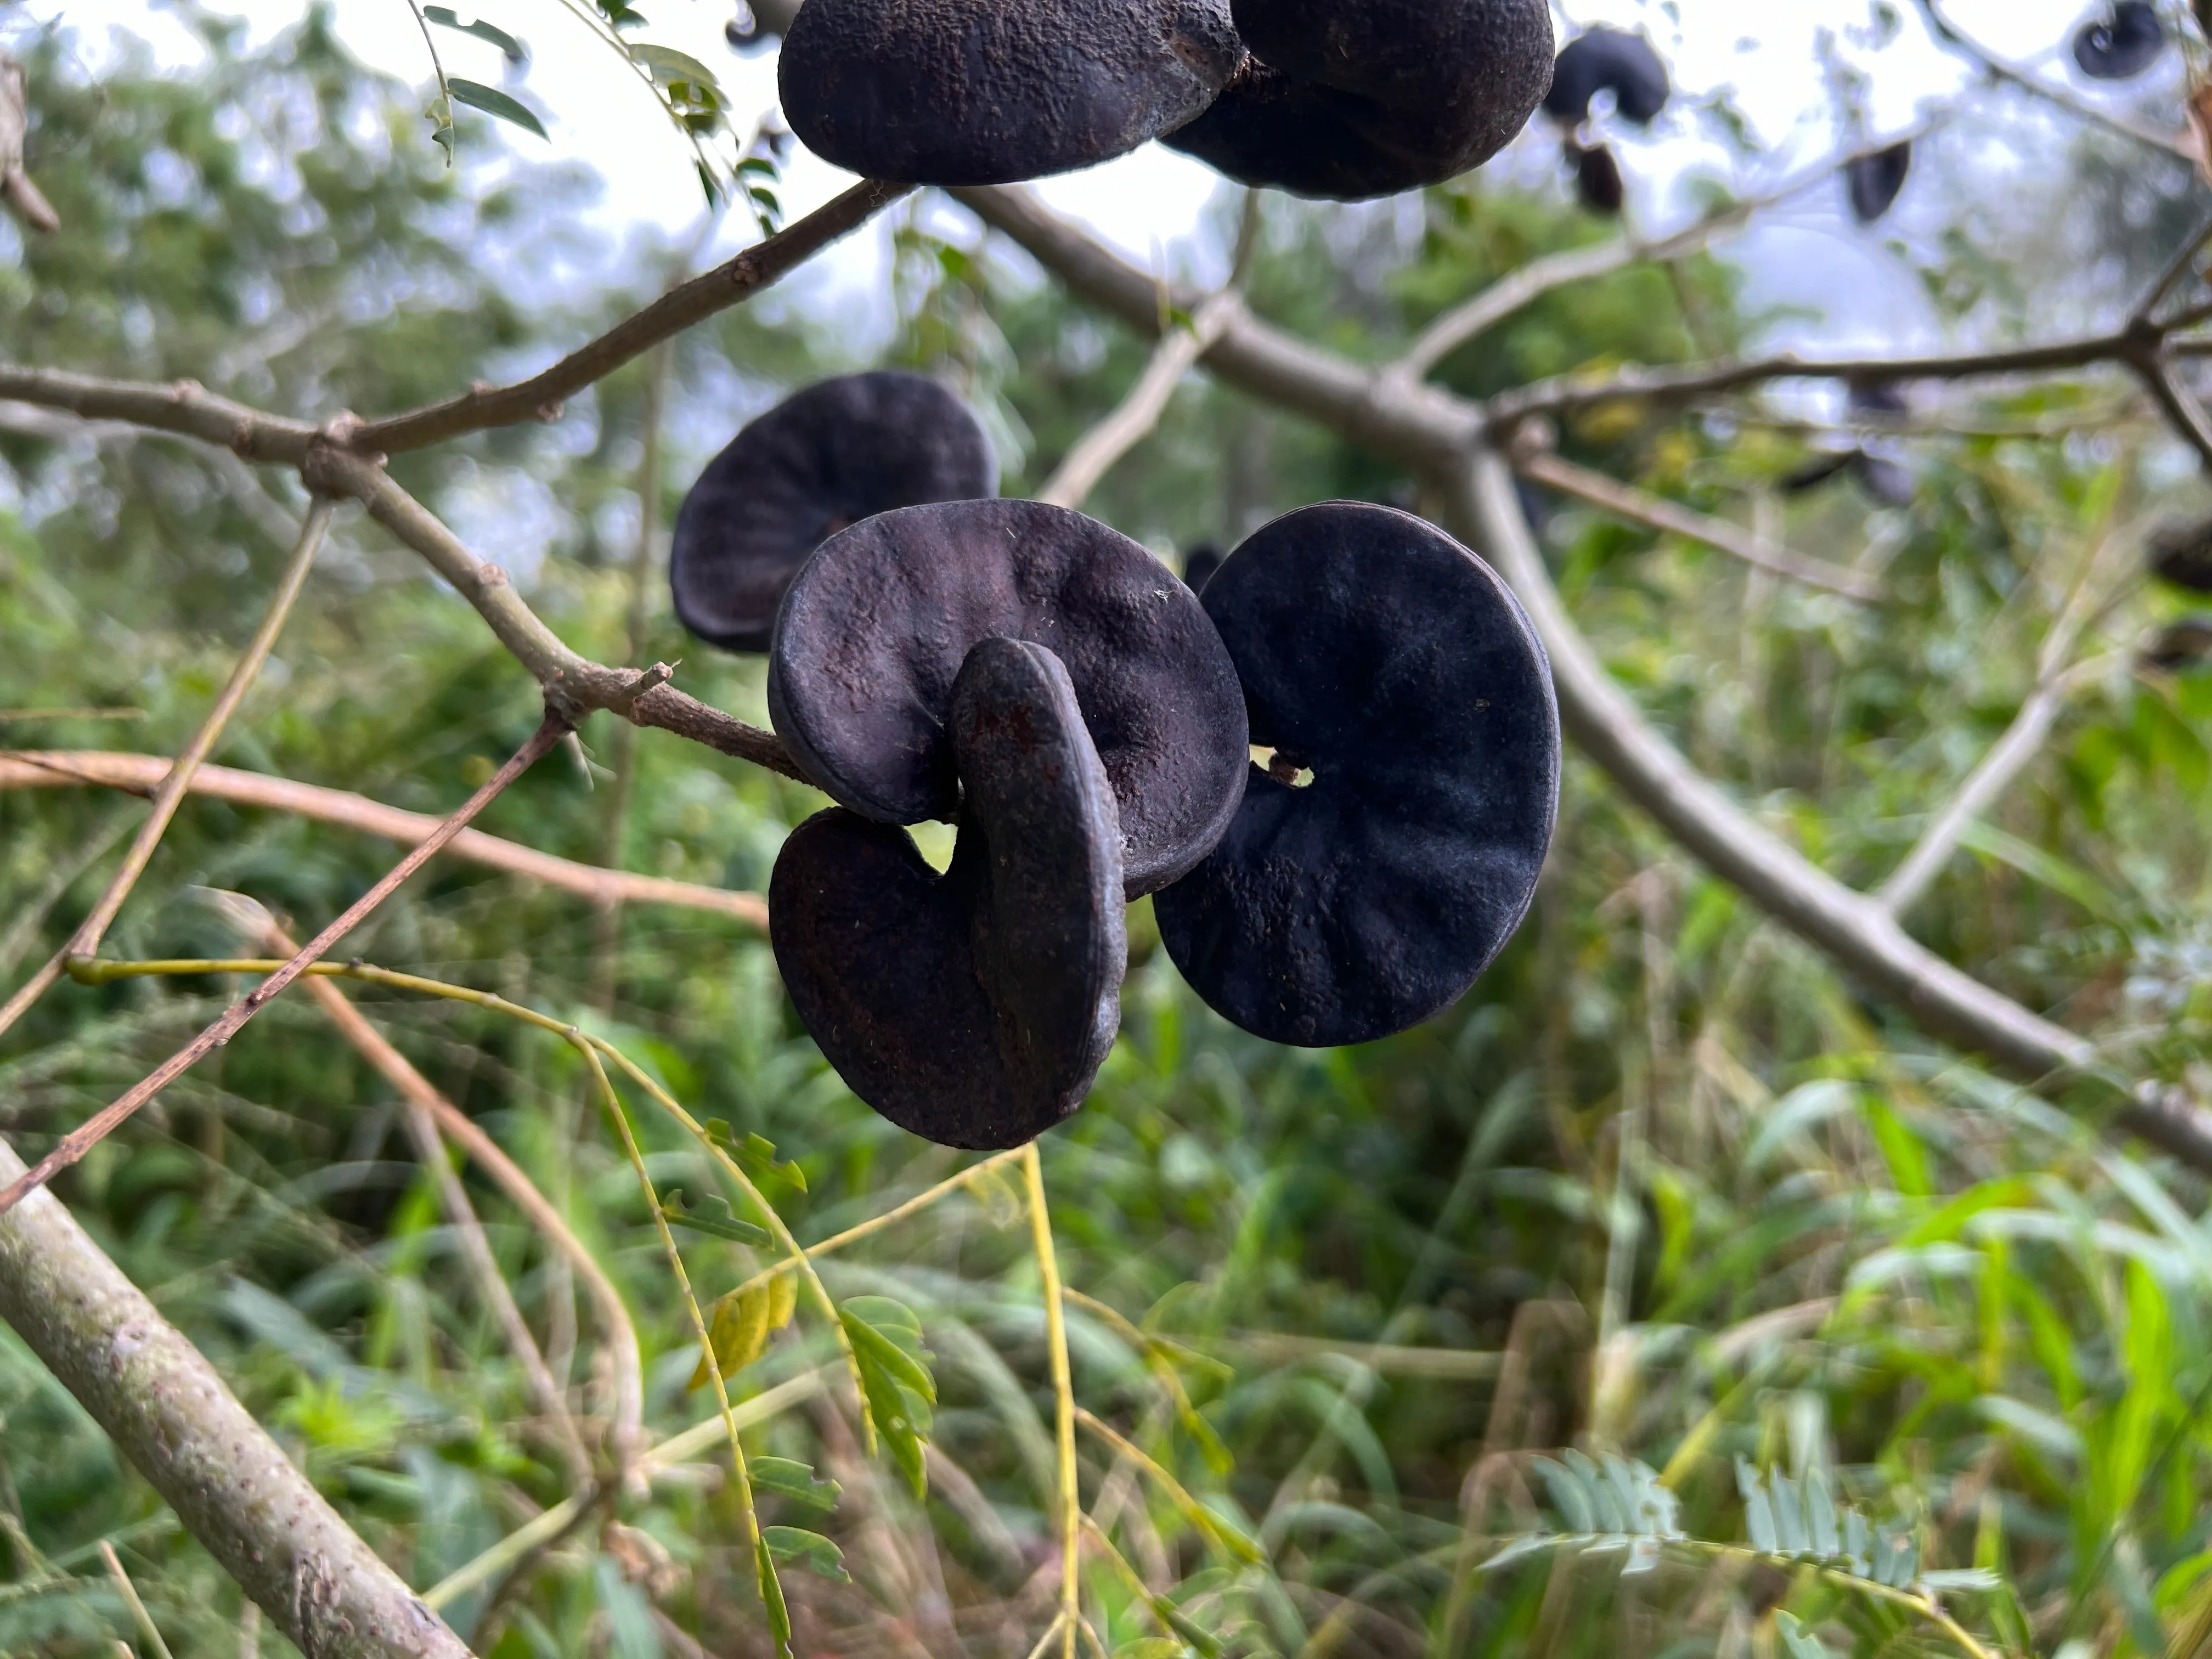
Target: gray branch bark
[{"x": 229, "y": 1483}]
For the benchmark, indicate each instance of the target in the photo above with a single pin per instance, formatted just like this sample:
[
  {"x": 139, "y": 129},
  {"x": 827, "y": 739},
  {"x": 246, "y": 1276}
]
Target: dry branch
[
  {"x": 87, "y": 1135},
  {"x": 1640, "y": 506},
  {"x": 540, "y": 396},
  {"x": 33, "y": 768},
  {"x": 1136, "y": 415},
  {"x": 229, "y": 1483}
]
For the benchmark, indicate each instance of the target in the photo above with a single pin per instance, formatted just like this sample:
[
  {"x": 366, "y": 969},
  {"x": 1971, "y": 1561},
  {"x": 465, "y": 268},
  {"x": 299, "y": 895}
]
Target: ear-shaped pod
[
  {"x": 1351, "y": 98},
  {"x": 877, "y": 625},
  {"x": 973, "y": 1008},
  {"x": 2181, "y": 554},
  {"x": 1598, "y": 183},
  {"x": 988, "y": 92},
  {"x": 1384, "y": 657},
  {"x": 2123, "y": 46},
  {"x": 839, "y": 451},
  {"x": 1874, "y": 180},
  {"x": 1612, "y": 60}
]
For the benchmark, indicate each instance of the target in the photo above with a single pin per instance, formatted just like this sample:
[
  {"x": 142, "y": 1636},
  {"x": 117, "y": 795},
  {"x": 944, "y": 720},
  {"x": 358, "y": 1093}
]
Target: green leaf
[
  {"x": 756, "y": 1152},
  {"x": 1172, "y": 1617},
  {"x": 810, "y": 1549},
  {"x": 445, "y": 17},
  {"x": 787, "y": 1477},
  {"x": 669, "y": 66},
  {"x": 704, "y": 1220},
  {"x": 1800, "y": 1642},
  {"x": 902, "y": 1368},
  {"x": 492, "y": 101},
  {"x": 758, "y": 164},
  {"x": 771, "y": 1595},
  {"x": 1568, "y": 1496}
]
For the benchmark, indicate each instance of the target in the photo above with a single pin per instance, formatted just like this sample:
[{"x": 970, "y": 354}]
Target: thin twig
[
  {"x": 1063, "y": 1388},
  {"x": 129, "y": 1592},
  {"x": 31, "y": 768},
  {"x": 1640, "y": 506},
  {"x": 1949, "y": 34},
  {"x": 679, "y": 1447},
  {"x": 85, "y": 940},
  {"x": 1132, "y": 419},
  {"x": 2179, "y": 266},
  {"x": 423, "y": 1127},
  {"x": 540, "y": 396},
  {"x": 1522, "y": 287},
  {"x": 2022, "y": 740},
  {"x": 83, "y": 1139}
]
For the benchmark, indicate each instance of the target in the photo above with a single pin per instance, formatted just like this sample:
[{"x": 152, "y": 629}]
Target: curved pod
[
  {"x": 974, "y": 1007},
  {"x": 875, "y": 628}
]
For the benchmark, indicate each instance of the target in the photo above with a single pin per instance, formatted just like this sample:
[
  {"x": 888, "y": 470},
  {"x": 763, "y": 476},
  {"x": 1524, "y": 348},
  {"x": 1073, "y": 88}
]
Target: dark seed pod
[
  {"x": 988, "y": 92},
  {"x": 744, "y": 34},
  {"x": 1598, "y": 183},
  {"x": 1382, "y": 658},
  {"x": 1812, "y": 474},
  {"x": 2183, "y": 643},
  {"x": 1351, "y": 98},
  {"x": 2181, "y": 554},
  {"x": 974, "y": 1007},
  {"x": 1874, "y": 180},
  {"x": 1879, "y": 398},
  {"x": 2123, "y": 46},
  {"x": 841, "y": 451},
  {"x": 1891, "y": 483},
  {"x": 1612, "y": 60},
  {"x": 1198, "y": 565},
  {"x": 876, "y": 625}
]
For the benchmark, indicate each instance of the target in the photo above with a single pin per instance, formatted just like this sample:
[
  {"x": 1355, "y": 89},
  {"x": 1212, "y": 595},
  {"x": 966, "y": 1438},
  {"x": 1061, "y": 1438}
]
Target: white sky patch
[{"x": 1767, "y": 54}]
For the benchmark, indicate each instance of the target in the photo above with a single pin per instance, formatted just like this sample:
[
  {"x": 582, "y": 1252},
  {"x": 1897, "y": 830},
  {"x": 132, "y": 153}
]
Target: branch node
[
  {"x": 550, "y": 410},
  {"x": 647, "y": 680}
]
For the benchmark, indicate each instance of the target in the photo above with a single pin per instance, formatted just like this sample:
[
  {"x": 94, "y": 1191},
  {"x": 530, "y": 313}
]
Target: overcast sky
[{"x": 1767, "y": 53}]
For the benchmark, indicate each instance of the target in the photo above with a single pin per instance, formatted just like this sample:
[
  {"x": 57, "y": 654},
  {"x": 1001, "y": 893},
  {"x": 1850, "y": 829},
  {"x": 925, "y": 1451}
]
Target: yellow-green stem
[{"x": 1063, "y": 1388}]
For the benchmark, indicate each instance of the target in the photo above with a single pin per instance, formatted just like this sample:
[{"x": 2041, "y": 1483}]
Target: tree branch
[
  {"x": 88, "y": 1134},
  {"x": 540, "y": 396},
  {"x": 169, "y": 1411},
  {"x": 171, "y": 792},
  {"x": 1639, "y": 506},
  {"x": 33, "y": 768}
]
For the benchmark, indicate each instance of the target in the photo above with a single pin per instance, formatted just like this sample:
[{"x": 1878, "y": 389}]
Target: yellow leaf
[{"x": 738, "y": 1331}]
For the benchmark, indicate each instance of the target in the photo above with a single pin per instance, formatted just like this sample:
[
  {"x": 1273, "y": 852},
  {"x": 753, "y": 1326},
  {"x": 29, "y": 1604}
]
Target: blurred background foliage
[{"x": 1662, "y": 1186}]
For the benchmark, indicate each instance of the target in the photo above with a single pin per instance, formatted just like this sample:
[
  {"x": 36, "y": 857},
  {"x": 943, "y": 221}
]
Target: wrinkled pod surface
[
  {"x": 1351, "y": 98},
  {"x": 974, "y": 1007},
  {"x": 990, "y": 92},
  {"x": 1393, "y": 846},
  {"x": 838, "y": 452},
  {"x": 876, "y": 628}
]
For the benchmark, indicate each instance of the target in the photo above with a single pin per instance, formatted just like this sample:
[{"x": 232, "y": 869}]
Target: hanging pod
[
  {"x": 838, "y": 452},
  {"x": 1612, "y": 60},
  {"x": 973, "y": 1007},
  {"x": 2121, "y": 44},
  {"x": 1353, "y": 98},
  {"x": 1392, "y": 845},
  {"x": 990, "y": 92},
  {"x": 1873, "y": 181}
]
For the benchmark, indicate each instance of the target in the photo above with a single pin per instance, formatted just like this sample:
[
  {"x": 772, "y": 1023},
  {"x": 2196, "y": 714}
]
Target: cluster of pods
[
  {"x": 1313, "y": 96},
  {"x": 1336, "y": 772}
]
